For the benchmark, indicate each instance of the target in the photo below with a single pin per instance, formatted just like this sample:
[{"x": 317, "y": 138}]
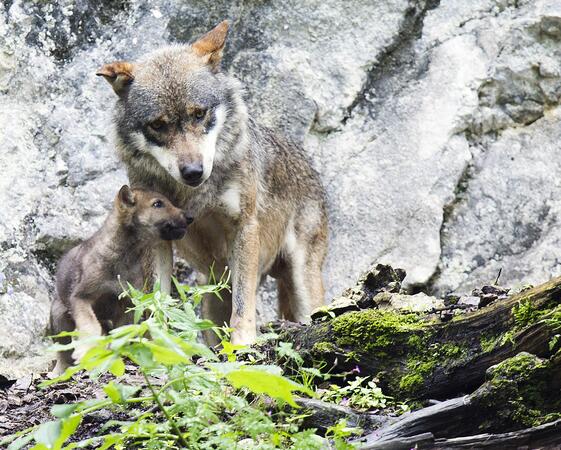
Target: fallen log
[
  {"x": 546, "y": 435},
  {"x": 543, "y": 436},
  {"x": 322, "y": 415},
  {"x": 520, "y": 391},
  {"x": 420, "y": 356}
]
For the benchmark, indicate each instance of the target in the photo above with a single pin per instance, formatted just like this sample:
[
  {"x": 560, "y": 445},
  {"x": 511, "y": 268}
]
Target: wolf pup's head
[
  {"x": 173, "y": 105},
  {"x": 151, "y": 214}
]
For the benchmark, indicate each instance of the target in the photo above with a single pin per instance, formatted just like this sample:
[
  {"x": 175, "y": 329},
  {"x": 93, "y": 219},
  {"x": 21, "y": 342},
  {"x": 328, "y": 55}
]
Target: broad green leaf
[
  {"x": 117, "y": 368},
  {"x": 69, "y": 426},
  {"x": 141, "y": 355},
  {"x": 111, "y": 440},
  {"x": 165, "y": 355},
  {"x": 262, "y": 382},
  {"x": 133, "y": 329},
  {"x": 120, "y": 393},
  {"x": 228, "y": 349},
  {"x": 20, "y": 442},
  {"x": 127, "y": 391},
  {"x": 112, "y": 392},
  {"x": 64, "y": 410},
  {"x": 68, "y": 373},
  {"x": 99, "y": 365},
  {"x": 196, "y": 348},
  {"x": 56, "y": 347},
  {"x": 48, "y": 433},
  {"x": 177, "y": 344}
]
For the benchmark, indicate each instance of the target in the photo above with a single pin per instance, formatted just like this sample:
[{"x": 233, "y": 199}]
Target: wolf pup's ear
[
  {"x": 119, "y": 75},
  {"x": 126, "y": 197},
  {"x": 210, "y": 45}
]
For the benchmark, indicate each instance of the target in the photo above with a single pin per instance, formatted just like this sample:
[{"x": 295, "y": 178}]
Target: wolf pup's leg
[
  {"x": 245, "y": 265},
  {"x": 87, "y": 324},
  {"x": 163, "y": 265},
  {"x": 60, "y": 320}
]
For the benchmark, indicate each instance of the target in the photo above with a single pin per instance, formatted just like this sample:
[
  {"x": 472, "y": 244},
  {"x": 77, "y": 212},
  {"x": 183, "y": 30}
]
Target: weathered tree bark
[
  {"x": 500, "y": 366},
  {"x": 422, "y": 357}
]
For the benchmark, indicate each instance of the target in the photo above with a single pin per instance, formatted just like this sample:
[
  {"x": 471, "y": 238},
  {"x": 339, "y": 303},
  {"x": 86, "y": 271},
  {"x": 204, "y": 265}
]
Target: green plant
[
  {"x": 307, "y": 376},
  {"x": 356, "y": 394},
  {"x": 190, "y": 398},
  {"x": 525, "y": 313}
]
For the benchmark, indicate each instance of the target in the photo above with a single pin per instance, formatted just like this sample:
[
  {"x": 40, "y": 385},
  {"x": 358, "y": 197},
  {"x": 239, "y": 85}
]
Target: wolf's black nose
[{"x": 192, "y": 173}]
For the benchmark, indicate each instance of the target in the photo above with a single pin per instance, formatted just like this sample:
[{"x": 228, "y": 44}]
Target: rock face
[{"x": 435, "y": 127}]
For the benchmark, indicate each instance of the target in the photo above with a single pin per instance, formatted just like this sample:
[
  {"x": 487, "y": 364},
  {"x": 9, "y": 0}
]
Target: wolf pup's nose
[
  {"x": 192, "y": 173},
  {"x": 188, "y": 218}
]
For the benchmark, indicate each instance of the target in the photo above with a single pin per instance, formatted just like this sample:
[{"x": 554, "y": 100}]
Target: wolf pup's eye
[
  {"x": 158, "y": 204},
  {"x": 158, "y": 125},
  {"x": 199, "y": 114}
]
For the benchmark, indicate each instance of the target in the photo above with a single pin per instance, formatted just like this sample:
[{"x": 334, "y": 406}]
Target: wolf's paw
[{"x": 243, "y": 337}]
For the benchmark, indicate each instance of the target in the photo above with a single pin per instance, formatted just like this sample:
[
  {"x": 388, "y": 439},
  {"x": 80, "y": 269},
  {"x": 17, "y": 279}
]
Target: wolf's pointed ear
[
  {"x": 126, "y": 197},
  {"x": 210, "y": 45},
  {"x": 119, "y": 75}
]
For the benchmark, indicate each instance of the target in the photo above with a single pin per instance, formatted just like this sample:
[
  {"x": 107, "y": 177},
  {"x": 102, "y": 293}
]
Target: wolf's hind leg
[
  {"x": 313, "y": 279},
  {"x": 285, "y": 293},
  {"x": 302, "y": 277}
]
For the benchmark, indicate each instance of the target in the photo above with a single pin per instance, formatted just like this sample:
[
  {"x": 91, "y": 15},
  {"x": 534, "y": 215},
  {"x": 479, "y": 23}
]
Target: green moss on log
[
  {"x": 374, "y": 330},
  {"x": 323, "y": 347},
  {"x": 519, "y": 393},
  {"x": 423, "y": 360}
]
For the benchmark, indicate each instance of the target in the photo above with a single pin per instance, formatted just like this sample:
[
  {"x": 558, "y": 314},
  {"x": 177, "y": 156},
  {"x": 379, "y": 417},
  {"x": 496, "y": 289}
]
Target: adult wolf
[{"x": 183, "y": 129}]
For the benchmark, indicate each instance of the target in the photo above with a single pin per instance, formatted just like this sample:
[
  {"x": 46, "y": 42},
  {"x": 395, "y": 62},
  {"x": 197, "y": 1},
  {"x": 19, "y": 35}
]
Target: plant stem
[{"x": 164, "y": 411}]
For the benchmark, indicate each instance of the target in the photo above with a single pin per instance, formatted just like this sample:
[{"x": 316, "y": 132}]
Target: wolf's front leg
[
  {"x": 244, "y": 265},
  {"x": 163, "y": 265}
]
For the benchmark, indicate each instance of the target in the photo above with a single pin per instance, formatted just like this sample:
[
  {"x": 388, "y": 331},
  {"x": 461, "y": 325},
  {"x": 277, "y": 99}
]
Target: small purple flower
[
  {"x": 10, "y": 290},
  {"x": 356, "y": 370},
  {"x": 344, "y": 402}
]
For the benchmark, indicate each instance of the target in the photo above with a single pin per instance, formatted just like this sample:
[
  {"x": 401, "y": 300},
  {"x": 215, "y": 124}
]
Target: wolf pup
[
  {"x": 87, "y": 278},
  {"x": 183, "y": 129}
]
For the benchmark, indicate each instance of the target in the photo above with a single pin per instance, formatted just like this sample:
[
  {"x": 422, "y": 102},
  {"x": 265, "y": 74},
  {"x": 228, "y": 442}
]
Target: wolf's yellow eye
[
  {"x": 157, "y": 125},
  {"x": 199, "y": 114}
]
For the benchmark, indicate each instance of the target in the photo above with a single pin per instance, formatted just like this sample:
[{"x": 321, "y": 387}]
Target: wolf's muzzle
[{"x": 192, "y": 173}]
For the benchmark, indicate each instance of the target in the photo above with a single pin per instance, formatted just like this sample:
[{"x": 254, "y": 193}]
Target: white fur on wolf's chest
[{"x": 230, "y": 199}]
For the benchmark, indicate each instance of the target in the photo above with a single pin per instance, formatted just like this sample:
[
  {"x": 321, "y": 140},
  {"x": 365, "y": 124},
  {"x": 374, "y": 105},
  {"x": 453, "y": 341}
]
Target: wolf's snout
[{"x": 192, "y": 173}]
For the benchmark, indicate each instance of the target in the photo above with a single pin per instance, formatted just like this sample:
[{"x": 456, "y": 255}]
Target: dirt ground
[{"x": 24, "y": 404}]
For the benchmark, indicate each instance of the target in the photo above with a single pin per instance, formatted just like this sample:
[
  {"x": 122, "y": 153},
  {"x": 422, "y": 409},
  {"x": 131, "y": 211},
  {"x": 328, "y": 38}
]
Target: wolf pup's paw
[
  {"x": 57, "y": 371},
  {"x": 80, "y": 351}
]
